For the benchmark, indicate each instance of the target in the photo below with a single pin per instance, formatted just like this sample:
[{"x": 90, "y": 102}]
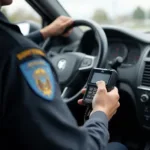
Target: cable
[{"x": 87, "y": 113}]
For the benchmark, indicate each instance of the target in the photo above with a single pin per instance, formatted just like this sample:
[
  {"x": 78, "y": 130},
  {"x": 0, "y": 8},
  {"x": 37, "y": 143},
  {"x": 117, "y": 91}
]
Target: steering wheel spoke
[
  {"x": 87, "y": 63},
  {"x": 66, "y": 92}
]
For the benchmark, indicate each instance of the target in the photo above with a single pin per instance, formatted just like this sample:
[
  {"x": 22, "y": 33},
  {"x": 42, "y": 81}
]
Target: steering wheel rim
[
  {"x": 99, "y": 33},
  {"x": 101, "y": 39}
]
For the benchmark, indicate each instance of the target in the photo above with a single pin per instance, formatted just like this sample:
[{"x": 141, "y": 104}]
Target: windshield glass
[{"x": 133, "y": 14}]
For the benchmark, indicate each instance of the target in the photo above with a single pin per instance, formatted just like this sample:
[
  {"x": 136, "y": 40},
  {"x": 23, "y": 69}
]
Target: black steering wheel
[{"x": 69, "y": 66}]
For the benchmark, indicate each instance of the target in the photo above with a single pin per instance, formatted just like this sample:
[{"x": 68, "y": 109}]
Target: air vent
[{"x": 146, "y": 75}]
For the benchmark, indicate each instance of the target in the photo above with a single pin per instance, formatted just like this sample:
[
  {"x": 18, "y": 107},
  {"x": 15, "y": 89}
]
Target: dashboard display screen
[{"x": 100, "y": 77}]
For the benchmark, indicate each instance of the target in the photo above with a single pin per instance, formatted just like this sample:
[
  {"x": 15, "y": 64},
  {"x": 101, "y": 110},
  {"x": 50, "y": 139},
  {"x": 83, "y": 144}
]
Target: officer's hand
[
  {"x": 57, "y": 27},
  {"x": 104, "y": 101}
]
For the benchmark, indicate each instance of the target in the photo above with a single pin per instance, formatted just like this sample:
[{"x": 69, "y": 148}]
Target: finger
[
  {"x": 64, "y": 18},
  {"x": 118, "y": 104},
  {"x": 67, "y": 23},
  {"x": 83, "y": 91},
  {"x": 80, "y": 102},
  {"x": 115, "y": 93},
  {"x": 114, "y": 90},
  {"x": 66, "y": 32},
  {"x": 101, "y": 86}
]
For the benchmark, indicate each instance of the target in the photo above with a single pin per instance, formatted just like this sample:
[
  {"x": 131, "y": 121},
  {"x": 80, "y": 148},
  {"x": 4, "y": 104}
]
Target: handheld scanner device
[{"x": 110, "y": 77}]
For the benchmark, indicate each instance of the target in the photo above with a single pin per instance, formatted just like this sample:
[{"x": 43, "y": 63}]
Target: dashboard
[
  {"x": 129, "y": 50},
  {"x": 133, "y": 74}
]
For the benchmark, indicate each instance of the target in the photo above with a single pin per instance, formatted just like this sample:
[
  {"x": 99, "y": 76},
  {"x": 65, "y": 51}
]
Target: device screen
[{"x": 100, "y": 77}]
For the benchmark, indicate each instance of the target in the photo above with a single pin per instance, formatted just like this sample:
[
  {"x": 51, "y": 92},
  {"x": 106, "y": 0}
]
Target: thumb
[
  {"x": 67, "y": 24},
  {"x": 101, "y": 86}
]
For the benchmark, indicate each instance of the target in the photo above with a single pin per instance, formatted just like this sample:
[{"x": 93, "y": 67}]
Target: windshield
[{"x": 133, "y": 14}]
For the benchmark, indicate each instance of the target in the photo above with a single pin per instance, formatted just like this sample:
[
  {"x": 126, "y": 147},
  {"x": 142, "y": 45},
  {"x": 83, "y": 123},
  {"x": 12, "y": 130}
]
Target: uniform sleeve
[
  {"x": 97, "y": 127},
  {"x": 36, "y": 37},
  {"x": 35, "y": 116}
]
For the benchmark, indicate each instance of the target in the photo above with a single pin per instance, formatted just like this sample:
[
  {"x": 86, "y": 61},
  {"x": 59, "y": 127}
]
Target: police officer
[{"x": 33, "y": 115}]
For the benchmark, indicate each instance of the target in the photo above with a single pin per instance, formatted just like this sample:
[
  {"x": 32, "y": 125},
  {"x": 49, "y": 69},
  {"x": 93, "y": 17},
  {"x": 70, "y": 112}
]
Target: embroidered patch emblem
[
  {"x": 40, "y": 77},
  {"x": 29, "y": 52}
]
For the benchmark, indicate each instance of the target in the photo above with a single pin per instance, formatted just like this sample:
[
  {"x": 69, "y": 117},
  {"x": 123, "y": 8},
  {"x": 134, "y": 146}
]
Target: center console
[{"x": 143, "y": 92}]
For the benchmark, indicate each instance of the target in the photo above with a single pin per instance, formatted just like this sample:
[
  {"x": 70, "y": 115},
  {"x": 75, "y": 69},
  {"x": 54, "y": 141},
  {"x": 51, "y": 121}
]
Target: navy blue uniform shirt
[{"x": 33, "y": 115}]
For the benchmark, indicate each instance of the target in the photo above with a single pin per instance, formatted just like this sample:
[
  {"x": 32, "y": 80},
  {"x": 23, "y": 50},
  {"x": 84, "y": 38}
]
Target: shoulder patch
[
  {"x": 40, "y": 78},
  {"x": 30, "y": 52}
]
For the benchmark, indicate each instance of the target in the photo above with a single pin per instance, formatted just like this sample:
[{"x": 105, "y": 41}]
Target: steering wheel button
[{"x": 86, "y": 62}]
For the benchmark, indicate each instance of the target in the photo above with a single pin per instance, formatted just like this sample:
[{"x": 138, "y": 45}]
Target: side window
[{"x": 20, "y": 11}]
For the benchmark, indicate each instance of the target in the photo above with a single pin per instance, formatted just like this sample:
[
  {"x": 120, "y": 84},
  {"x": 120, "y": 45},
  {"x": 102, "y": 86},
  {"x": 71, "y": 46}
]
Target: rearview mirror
[{"x": 27, "y": 27}]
